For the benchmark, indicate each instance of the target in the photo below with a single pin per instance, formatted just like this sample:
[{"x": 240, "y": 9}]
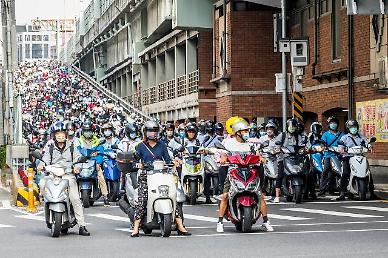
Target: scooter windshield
[
  {"x": 192, "y": 149},
  {"x": 193, "y": 161}
]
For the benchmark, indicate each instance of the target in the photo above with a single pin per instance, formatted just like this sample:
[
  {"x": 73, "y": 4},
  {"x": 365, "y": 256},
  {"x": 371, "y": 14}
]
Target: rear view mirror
[
  {"x": 219, "y": 146},
  {"x": 372, "y": 140},
  {"x": 102, "y": 141},
  {"x": 115, "y": 147},
  {"x": 181, "y": 149},
  {"x": 207, "y": 138},
  {"x": 82, "y": 159}
]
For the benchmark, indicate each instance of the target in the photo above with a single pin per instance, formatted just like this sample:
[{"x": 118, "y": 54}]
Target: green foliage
[{"x": 2, "y": 156}]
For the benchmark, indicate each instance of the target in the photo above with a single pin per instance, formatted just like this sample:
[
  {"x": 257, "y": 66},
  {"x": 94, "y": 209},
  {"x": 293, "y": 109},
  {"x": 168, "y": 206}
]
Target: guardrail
[{"x": 128, "y": 108}]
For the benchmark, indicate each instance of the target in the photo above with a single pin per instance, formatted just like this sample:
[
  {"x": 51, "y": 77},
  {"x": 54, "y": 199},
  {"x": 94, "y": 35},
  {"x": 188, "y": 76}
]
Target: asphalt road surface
[{"x": 317, "y": 229}]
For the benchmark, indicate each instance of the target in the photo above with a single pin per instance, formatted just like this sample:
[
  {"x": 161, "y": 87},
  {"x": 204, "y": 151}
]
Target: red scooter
[{"x": 244, "y": 194}]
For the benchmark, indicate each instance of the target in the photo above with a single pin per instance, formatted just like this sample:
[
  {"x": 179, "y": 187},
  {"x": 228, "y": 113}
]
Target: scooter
[
  {"x": 112, "y": 175},
  {"x": 271, "y": 169},
  {"x": 211, "y": 170},
  {"x": 162, "y": 198},
  {"x": 336, "y": 166},
  {"x": 193, "y": 173},
  {"x": 360, "y": 175},
  {"x": 59, "y": 214},
  {"x": 295, "y": 172},
  {"x": 316, "y": 154},
  {"x": 244, "y": 194}
]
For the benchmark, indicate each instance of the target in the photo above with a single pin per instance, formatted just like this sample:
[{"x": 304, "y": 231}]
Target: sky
[{"x": 47, "y": 9}]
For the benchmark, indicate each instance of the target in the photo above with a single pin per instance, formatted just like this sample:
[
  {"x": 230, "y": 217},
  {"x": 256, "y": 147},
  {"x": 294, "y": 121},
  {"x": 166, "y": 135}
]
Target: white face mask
[{"x": 108, "y": 133}]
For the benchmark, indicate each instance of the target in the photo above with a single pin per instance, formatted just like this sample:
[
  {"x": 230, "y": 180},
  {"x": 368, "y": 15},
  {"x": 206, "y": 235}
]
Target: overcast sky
[{"x": 47, "y": 9}]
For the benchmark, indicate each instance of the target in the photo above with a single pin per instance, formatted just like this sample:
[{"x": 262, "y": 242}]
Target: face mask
[
  {"x": 132, "y": 135},
  {"x": 152, "y": 135},
  {"x": 291, "y": 129},
  {"x": 170, "y": 133},
  {"x": 108, "y": 133},
  {"x": 70, "y": 132},
  {"x": 333, "y": 126},
  {"x": 245, "y": 136},
  {"x": 88, "y": 134},
  {"x": 263, "y": 133},
  {"x": 182, "y": 134},
  {"x": 353, "y": 130},
  {"x": 60, "y": 137}
]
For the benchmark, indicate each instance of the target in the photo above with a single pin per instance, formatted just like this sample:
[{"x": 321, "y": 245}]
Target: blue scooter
[{"x": 112, "y": 175}]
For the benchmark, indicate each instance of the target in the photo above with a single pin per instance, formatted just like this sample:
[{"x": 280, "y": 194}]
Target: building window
[
  {"x": 45, "y": 51},
  {"x": 45, "y": 37},
  {"x": 27, "y": 38},
  {"x": 37, "y": 51},
  {"x": 343, "y": 3},
  {"x": 27, "y": 51},
  {"x": 325, "y": 6},
  {"x": 336, "y": 29}
]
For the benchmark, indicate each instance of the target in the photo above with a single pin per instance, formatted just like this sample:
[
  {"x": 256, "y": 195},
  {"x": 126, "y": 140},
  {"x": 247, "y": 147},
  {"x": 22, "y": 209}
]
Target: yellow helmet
[{"x": 229, "y": 123}]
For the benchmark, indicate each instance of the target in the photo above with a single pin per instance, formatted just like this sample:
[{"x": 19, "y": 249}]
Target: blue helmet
[{"x": 58, "y": 127}]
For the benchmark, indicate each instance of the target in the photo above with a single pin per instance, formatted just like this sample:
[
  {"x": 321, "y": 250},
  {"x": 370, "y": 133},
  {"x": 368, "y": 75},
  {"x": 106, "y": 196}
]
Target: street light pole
[{"x": 284, "y": 67}]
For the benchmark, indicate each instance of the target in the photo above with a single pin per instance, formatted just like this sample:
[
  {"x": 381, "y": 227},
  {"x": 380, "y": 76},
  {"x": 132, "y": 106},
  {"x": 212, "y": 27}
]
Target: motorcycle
[
  {"x": 360, "y": 175},
  {"x": 211, "y": 170},
  {"x": 112, "y": 176},
  {"x": 244, "y": 194},
  {"x": 271, "y": 169},
  {"x": 316, "y": 154},
  {"x": 295, "y": 172},
  {"x": 193, "y": 173},
  {"x": 59, "y": 214},
  {"x": 336, "y": 166},
  {"x": 162, "y": 198}
]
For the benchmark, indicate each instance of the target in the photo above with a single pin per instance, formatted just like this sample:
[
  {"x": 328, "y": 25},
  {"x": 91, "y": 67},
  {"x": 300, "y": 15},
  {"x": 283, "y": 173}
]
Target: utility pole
[{"x": 284, "y": 67}]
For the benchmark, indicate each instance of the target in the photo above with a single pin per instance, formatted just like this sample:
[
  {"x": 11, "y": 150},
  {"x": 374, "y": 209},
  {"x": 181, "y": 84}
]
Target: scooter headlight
[
  {"x": 86, "y": 172},
  {"x": 163, "y": 191}
]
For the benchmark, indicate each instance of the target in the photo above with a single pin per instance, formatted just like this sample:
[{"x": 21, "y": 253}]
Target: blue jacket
[{"x": 329, "y": 138}]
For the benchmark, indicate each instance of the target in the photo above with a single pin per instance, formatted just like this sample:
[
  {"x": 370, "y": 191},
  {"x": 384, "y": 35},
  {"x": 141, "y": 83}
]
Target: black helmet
[
  {"x": 191, "y": 127},
  {"x": 219, "y": 127},
  {"x": 316, "y": 128},
  {"x": 300, "y": 126},
  {"x": 201, "y": 126},
  {"x": 70, "y": 126},
  {"x": 130, "y": 129},
  {"x": 352, "y": 123},
  {"x": 292, "y": 125},
  {"x": 209, "y": 127},
  {"x": 271, "y": 124},
  {"x": 170, "y": 126},
  {"x": 87, "y": 126},
  {"x": 333, "y": 119}
]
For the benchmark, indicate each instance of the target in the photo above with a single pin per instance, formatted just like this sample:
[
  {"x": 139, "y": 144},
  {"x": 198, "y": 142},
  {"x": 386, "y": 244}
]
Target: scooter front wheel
[
  {"x": 114, "y": 189},
  {"x": 165, "y": 225},
  {"x": 57, "y": 224},
  {"x": 85, "y": 198},
  {"x": 298, "y": 194},
  {"x": 193, "y": 192},
  {"x": 247, "y": 219},
  {"x": 362, "y": 189}
]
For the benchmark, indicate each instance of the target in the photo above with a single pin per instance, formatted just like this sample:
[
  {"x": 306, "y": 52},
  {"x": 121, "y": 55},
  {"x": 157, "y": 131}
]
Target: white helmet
[{"x": 240, "y": 125}]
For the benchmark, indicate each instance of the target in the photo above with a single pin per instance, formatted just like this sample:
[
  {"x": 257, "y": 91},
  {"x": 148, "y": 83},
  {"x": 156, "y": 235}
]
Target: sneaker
[
  {"x": 83, "y": 231},
  {"x": 276, "y": 200},
  {"x": 220, "y": 227},
  {"x": 267, "y": 227},
  {"x": 106, "y": 202}
]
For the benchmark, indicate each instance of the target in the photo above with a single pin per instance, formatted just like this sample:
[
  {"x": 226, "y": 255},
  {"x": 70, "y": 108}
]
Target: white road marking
[
  {"x": 293, "y": 218},
  {"x": 200, "y": 218},
  {"x": 296, "y": 232},
  {"x": 368, "y": 208},
  {"x": 6, "y": 226},
  {"x": 333, "y": 213},
  {"x": 124, "y": 229},
  {"x": 110, "y": 217},
  {"x": 31, "y": 217}
]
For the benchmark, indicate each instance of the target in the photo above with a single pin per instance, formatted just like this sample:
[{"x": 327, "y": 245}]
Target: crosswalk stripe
[
  {"x": 293, "y": 218},
  {"x": 333, "y": 213},
  {"x": 368, "y": 208},
  {"x": 31, "y": 217},
  {"x": 110, "y": 217},
  {"x": 6, "y": 226},
  {"x": 200, "y": 218}
]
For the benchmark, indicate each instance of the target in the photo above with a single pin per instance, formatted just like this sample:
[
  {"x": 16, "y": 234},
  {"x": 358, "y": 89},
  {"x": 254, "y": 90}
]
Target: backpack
[{"x": 51, "y": 151}]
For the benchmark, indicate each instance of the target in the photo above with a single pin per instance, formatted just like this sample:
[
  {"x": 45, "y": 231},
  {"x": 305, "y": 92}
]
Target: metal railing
[{"x": 127, "y": 107}]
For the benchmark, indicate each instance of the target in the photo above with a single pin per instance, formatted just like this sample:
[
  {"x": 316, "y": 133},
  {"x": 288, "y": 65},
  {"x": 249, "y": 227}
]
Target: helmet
[
  {"x": 316, "y": 128},
  {"x": 107, "y": 126},
  {"x": 201, "y": 126},
  {"x": 352, "y": 123},
  {"x": 300, "y": 126},
  {"x": 151, "y": 130},
  {"x": 271, "y": 124},
  {"x": 219, "y": 127},
  {"x": 132, "y": 129},
  {"x": 209, "y": 127},
  {"x": 240, "y": 125},
  {"x": 70, "y": 126},
  {"x": 333, "y": 119},
  {"x": 191, "y": 127},
  {"x": 58, "y": 127},
  {"x": 292, "y": 125},
  {"x": 170, "y": 126},
  {"x": 87, "y": 125}
]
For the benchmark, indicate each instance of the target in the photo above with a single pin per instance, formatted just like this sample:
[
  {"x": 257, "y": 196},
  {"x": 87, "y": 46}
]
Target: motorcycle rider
[
  {"x": 88, "y": 141},
  {"x": 292, "y": 137},
  {"x": 169, "y": 133},
  {"x": 239, "y": 144},
  {"x": 219, "y": 130},
  {"x": 330, "y": 138},
  {"x": 200, "y": 129},
  {"x": 63, "y": 153},
  {"x": 210, "y": 137},
  {"x": 131, "y": 139},
  {"x": 107, "y": 131},
  {"x": 351, "y": 139},
  {"x": 71, "y": 130},
  {"x": 149, "y": 150},
  {"x": 313, "y": 138}
]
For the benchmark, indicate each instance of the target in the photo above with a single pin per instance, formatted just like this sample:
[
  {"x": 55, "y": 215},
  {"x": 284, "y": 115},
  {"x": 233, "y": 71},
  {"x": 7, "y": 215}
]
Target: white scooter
[
  {"x": 271, "y": 169},
  {"x": 59, "y": 212},
  {"x": 162, "y": 198},
  {"x": 359, "y": 171}
]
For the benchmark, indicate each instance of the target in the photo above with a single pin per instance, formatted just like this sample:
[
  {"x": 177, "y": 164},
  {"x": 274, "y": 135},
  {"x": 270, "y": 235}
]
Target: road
[{"x": 317, "y": 229}]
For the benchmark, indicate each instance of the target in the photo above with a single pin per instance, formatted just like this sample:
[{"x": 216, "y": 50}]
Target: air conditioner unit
[{"x": 383, "y": 72}]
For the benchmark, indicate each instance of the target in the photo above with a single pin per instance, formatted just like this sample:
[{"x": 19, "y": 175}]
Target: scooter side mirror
[
  {"x": 102, "y": 141},
  {"x": 37, "y": 155},
  {"x": 373, "y": 139},
  {"x": 219, "y": 146},
  {"x": 115, "y": 147},
  {"x": 82, "y": 159},
  {"x": 206, "y": 138}
]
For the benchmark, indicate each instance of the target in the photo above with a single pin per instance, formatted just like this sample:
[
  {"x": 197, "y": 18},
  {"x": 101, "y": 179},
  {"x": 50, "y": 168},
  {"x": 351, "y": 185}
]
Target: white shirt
[{"x": 232, "y": 145}]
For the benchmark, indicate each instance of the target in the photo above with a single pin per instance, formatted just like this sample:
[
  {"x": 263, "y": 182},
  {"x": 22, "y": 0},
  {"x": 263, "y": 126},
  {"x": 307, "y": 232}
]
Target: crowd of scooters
[{"x": 83, "y": 147}]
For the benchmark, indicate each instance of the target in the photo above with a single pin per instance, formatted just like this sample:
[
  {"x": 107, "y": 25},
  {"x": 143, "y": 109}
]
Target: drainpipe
[
  {"x": 316, "y": 28},
  {"x": 350, "y": 68},
  {"x": 225, "y": 34}
]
